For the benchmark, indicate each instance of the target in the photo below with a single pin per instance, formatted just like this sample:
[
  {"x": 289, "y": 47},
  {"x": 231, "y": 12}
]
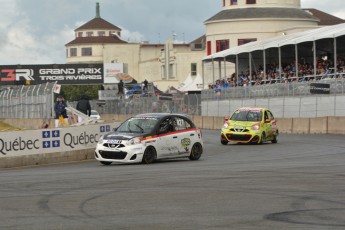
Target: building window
[
  {"x": 193, "y": 69},
  {"x": 251, "y": 1},
  {"x": 233, "y": 2},
  {"x": 89, "y": 34},
  {"x": 209, "y": 48},
  {"x": 163, "y": 72},
  {"x": 223, "y": 2},
  {"x": 73, "y": 52},
  {"x": 86, "y": 51},
  {"x": 101, "y": 33},
  {"x": 80, "y": 34},
  {"x": 245, "y": 40},
  {"x": 171, "y": 71},
  {"x": 222, "y": 45}
]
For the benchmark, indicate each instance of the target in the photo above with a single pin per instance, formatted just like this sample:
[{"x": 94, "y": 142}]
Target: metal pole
[
  {"x": 220, "y": 69},
  {"x": 296, "y": 57},
  {"x": 250, "y": 65},
  {"x": 264, "y": 58},
  {"x": 280, "y": 62},
  {"x": 213, "y": 70},
  {"x": 314, "y": 56},
  {"x": 236, "y": 70},
  {"x": 225, "y": 67},
  {"x": 335, "y": 57},
  {"x": 203, "y": 74}
]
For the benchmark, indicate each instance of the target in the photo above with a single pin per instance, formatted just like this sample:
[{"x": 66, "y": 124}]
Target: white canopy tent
[
  {"x": 191, "y": 84},
  {"x": 297, "y": 40},
  {"x": 291, "y": 39}
]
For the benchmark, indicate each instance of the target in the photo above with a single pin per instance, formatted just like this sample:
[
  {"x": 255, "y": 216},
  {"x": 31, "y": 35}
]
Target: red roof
[
  {"x": 98, "y": 23},
  {"x": 325, "y": 18},
  {"x": 96, "y": 40}
]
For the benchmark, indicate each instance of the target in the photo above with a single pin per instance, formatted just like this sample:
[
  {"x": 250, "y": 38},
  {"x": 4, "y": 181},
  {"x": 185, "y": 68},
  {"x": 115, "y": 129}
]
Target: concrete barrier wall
[
  {"x": 47, "y": 158},
  {"x": 319, "y": 125},
  {"x": 336, "y": 125}
]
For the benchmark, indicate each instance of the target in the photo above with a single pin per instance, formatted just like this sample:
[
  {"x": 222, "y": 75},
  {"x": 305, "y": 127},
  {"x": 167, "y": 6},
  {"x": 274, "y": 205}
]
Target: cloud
[{"x": 129, "y": 36}]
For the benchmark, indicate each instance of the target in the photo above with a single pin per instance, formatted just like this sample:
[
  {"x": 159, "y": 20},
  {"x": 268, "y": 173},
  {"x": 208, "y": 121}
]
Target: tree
[{"x": 73, "y": 92}]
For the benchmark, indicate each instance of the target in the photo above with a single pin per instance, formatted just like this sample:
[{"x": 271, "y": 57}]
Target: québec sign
[{"x": 28, "y": 142}]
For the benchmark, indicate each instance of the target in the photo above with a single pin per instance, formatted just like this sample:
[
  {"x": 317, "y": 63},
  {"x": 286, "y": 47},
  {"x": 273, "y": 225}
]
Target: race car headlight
[
  {"x": 100, "y": 141},
  {"x": 226, "y": 125},
  {"x": 134, "y": 141},
  {"x": 256, "y": 126}
]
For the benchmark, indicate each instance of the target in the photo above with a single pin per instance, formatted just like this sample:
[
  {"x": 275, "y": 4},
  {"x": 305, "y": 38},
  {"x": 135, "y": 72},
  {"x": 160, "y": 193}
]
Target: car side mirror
[
  {"x": 115, "y": 129},
  {"x": 267, "y": 121}
]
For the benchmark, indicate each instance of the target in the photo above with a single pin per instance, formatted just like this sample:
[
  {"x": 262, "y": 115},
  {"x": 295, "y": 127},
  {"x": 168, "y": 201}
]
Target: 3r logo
[{"x": 16, "y": 74}]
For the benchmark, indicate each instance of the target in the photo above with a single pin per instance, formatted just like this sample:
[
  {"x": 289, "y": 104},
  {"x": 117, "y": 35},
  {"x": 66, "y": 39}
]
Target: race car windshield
[
  {"x": 246, "y": 115},
  {"x": 138, "y": 125}
]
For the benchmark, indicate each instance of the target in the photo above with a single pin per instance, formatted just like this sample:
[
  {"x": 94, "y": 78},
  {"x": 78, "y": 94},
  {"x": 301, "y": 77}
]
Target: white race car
[{"x": 149, "y": 137}]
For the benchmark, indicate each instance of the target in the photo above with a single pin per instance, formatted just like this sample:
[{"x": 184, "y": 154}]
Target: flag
[{"x": 57, "y": 88}]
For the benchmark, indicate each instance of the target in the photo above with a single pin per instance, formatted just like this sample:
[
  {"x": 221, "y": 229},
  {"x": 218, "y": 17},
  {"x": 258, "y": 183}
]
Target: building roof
[
  {"x": 98, "y": 23},
  {"x": 201, "y": 39},
  {"x": 254, "y": 13},
  {"x": 325, "y": 19},
  {"x": 96, "y": 40}
]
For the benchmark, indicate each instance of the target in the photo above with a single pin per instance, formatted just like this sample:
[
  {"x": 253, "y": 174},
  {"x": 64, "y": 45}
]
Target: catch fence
[{"x": 27, "y": 101}]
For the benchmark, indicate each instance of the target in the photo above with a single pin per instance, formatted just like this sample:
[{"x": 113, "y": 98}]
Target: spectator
[
  {"x": 60, "y": 111},
  {"x": 84, "y": 107},
  {"x": 146, "y": 83},
  {"x": 120, "y": 87}
]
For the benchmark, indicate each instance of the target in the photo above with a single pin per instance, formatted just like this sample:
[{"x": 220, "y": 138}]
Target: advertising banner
[
  {"x": 114, "y": 72},
  {"x": 64, "y": 74},
  {"x": 320, "y": 88},
  {"x": 28, "y": 142}
]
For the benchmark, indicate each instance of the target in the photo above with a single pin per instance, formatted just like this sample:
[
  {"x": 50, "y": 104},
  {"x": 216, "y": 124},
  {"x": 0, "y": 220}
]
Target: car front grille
[
  {"x": 113, "y": 155},
  {"x": 239, "y": 130},
  {"x": 109, "y": 145},
  {"x": 238, "y": 137}
]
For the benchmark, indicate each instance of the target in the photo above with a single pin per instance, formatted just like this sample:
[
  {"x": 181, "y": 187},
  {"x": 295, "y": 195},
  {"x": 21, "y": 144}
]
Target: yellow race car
[{"x": 250, "y": 125}]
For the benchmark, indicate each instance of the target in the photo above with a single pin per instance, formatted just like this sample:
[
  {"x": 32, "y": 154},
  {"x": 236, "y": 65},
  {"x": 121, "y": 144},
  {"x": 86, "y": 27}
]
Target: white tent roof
[
  {"x": 186, "y": 82},
  {"x": 195, "y": 85},
  {"x": 291, "y": 39}
]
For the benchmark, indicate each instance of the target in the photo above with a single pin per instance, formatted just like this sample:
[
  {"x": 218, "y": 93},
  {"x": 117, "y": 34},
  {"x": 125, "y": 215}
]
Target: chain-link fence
[
  {"x": 296, "y": 99},
  {"x": 134, "y": 104},
  {"x": 289, "y": 99},
  {"x": 33, "y": 101}
]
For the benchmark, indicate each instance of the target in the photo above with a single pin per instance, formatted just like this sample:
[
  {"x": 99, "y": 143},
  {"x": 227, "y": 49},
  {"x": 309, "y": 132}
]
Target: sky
[{"x": 36, "y": 31}]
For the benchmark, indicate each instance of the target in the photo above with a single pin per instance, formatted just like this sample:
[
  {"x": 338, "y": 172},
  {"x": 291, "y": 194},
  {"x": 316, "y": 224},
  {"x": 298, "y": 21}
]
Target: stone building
[{"x": 169, "y": 64}]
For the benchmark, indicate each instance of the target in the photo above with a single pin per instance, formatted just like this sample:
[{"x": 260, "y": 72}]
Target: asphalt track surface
[{"x": 295, "y": 184}]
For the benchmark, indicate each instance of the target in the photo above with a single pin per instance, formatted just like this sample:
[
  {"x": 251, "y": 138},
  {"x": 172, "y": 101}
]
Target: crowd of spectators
[{"x": 324, "y": 69}]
